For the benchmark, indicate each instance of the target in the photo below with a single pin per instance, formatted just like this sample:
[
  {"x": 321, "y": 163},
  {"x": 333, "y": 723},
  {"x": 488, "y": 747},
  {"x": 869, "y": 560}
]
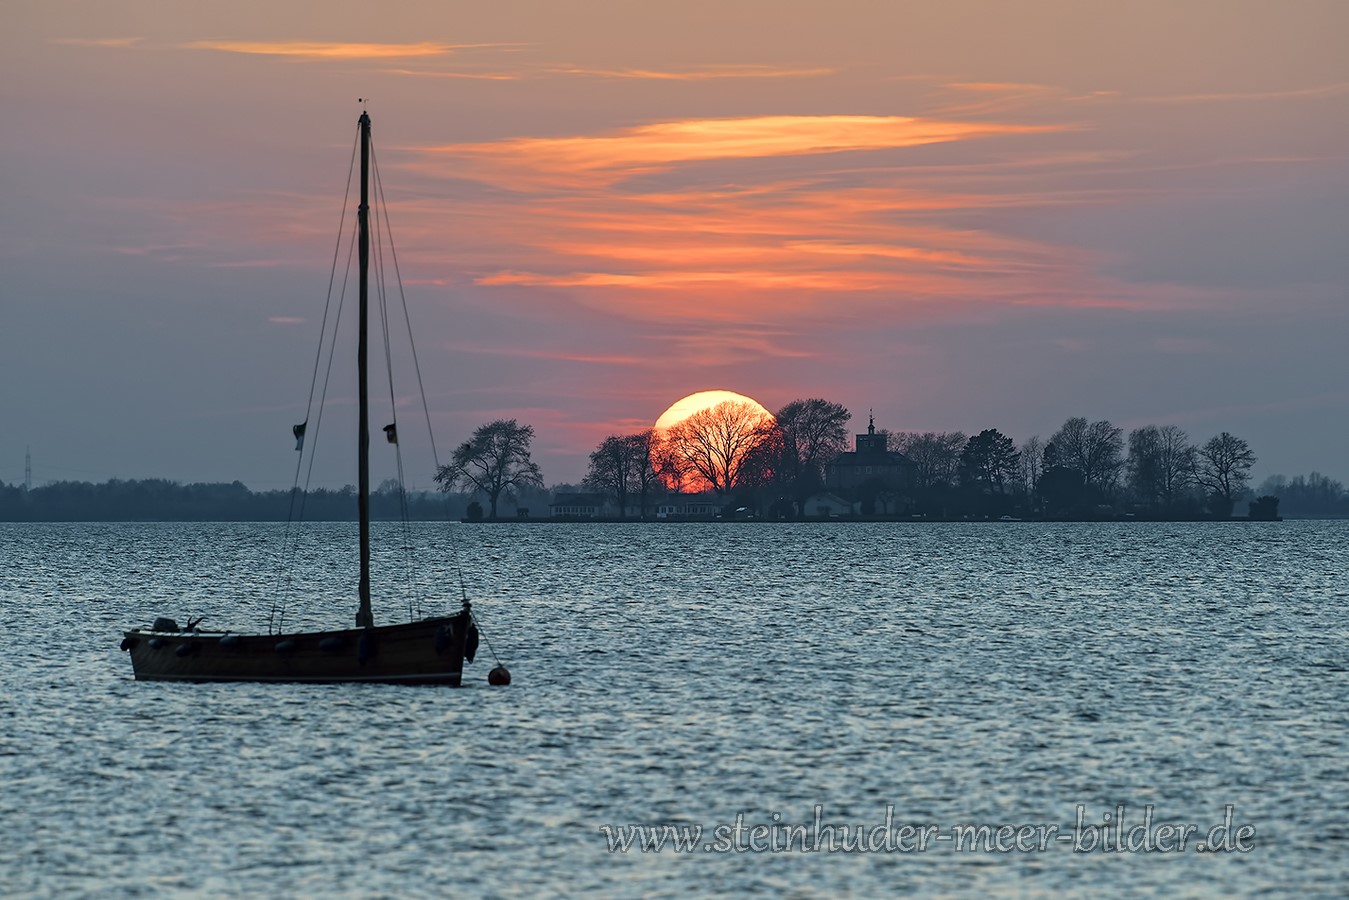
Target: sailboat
[{"x": 428, "y": 651}]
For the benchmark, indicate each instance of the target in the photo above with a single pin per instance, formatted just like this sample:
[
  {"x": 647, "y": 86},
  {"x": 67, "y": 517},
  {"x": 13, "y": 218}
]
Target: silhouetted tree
[
  {"x": 1264, "y": 509},
  {"x": 989, "y": 461},
  {"x": 762, "y": 479},
  {"x": 494, "y": 461},
  {"x": 716, "y": 442},
  {"x": 936, "y": 455},
  {"x": 1095, "y": 451},
  {"x": 812, "y": 432},
  {"x": 1223, "y": 469},
  {"x": 1061, "y": 490},
  {"x": 644, "y": 478},
  {"x": 610, "y": 470},
  {"x": 1175, "y": 464},
  {"x": 622, "y": 466},
  {"x": 1030, "y": 463},
  {"x": 672, "y": 470},
  {"x": 1160, "y": 465}
]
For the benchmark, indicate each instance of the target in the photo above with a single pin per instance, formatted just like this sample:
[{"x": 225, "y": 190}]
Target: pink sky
[{"x": 962, "y": 215}]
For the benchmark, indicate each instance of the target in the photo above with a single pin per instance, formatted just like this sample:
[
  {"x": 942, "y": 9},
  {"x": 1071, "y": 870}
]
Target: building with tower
[{"x": 881, "y": 480}]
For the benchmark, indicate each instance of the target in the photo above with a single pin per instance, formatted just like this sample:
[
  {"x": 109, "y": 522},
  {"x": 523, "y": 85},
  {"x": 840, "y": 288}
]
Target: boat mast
[{"x": 364, "y": 617}]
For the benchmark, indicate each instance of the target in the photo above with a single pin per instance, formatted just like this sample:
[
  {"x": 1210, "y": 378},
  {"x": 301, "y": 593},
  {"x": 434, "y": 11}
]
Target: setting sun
[{"x": 683, "y": 408}]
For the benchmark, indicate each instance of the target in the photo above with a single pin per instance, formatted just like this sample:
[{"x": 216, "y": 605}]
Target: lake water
[{"x": 960, "y": 675}]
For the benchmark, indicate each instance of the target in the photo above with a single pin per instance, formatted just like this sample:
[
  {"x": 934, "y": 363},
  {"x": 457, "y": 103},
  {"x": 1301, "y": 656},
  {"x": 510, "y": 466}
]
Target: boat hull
[{"x": 431, "y": 651}]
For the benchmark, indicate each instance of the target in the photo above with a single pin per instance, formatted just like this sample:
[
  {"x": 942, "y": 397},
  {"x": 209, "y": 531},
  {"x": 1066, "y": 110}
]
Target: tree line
[
  {"x": 161, "y": 500},
  {"x": 770, "y": 464},
  {"x": 1084, "y": 470},
  {"x": 1308, "y": 496},
  {"x": 730, "y": 449},
  {"x": 773, "y": 463}
]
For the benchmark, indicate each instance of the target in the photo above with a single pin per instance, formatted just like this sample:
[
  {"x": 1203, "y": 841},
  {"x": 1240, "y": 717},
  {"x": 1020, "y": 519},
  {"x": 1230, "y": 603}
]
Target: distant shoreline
[
  {"x": 849, "y": 520},
  {"x": 912, "y": 520}
]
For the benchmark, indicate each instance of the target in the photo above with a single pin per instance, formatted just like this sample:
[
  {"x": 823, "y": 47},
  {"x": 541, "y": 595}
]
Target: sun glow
[{"x": 687, "y": 406}]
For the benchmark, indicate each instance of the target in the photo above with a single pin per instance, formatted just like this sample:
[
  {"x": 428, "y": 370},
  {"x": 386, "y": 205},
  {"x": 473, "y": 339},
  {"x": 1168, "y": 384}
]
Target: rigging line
[
  {"x": 327, "y": 306},
  {"x": 318, "y": 359},
  {"x": 490, "y": 648},
  {"x": 322, "y": 405},
  {"x": 421, "y": 391},
  {"x": 383, "y": 203},
  {"x": 328, "y": 374},
  {"x": 332, "y": 274},
  {"x": 381, "y": 211}
]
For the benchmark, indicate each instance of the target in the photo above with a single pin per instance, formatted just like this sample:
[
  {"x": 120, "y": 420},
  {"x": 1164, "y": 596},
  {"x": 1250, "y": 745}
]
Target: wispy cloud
[
  {"x": 1001, "y": 98},
  {"x": 776, "y": 246},
  {"x": 723, "y": 346},
  {"x": 99, "y": 42},
  {"x": 700, "y": 74},
  {"x": 472, "y": 76},
  {"x": 564, "y": 356},
  {"x": 606, "y": 158},
  {"x": 703, "y": 73},
  {"x": 161, "y": 252},
  {"x": 333, "y": 50},
  {"x": 252, "y": 264},
  {"x": 1000, "y": 87},
  {"x": 747, "y": 220},
  {"x": 1336, "y": 89}
]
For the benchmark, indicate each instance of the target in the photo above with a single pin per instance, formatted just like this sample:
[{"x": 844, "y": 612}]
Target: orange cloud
[
  {"x": 797, "y": 241},
  {"x": 711, "y": 228},
  {"x": 526, "y": 162},
  {"x": 315, "y": 50}
]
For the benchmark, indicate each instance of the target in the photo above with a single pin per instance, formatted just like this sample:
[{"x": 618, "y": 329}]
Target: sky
[{"x": 960, "y": 215}]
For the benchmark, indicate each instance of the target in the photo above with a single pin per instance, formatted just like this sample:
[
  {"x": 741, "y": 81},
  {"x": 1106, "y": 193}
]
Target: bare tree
[
  {"x": 672, "y": 471},
  {"x": 623, "y": 465},
  {"x": 716, "y": 442},
  {"x": 494, "y": 461},
  {"x": 936, "y": 455},
  {"x": 1144, "y": 464},
  {"x": 642, "y": 475},
  {"x": 1224, "y": 468},
  {"x": 1161, "y": 464},
  {"x": 610, "y": 470},
  {"x": 812, "y": 433},
  {"x": 1095, "y": 451},
  {"x": 762, "y": 477},
  {"x": 1031, "y": 464},
  {"x": 1175, "y": 463}
]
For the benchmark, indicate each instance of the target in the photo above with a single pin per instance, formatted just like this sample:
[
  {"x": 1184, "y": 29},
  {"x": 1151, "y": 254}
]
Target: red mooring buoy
[{"x": 500, "y": 676}]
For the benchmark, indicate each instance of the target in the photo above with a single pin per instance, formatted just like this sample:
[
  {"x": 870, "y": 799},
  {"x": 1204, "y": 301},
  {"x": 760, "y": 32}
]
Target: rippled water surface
[{"x": 688, "y": 674}]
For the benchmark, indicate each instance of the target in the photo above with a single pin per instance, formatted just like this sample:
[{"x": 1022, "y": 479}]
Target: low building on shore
[
  {"x": 826, "y": 505},
  {"x": 578, "y": 506}
]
